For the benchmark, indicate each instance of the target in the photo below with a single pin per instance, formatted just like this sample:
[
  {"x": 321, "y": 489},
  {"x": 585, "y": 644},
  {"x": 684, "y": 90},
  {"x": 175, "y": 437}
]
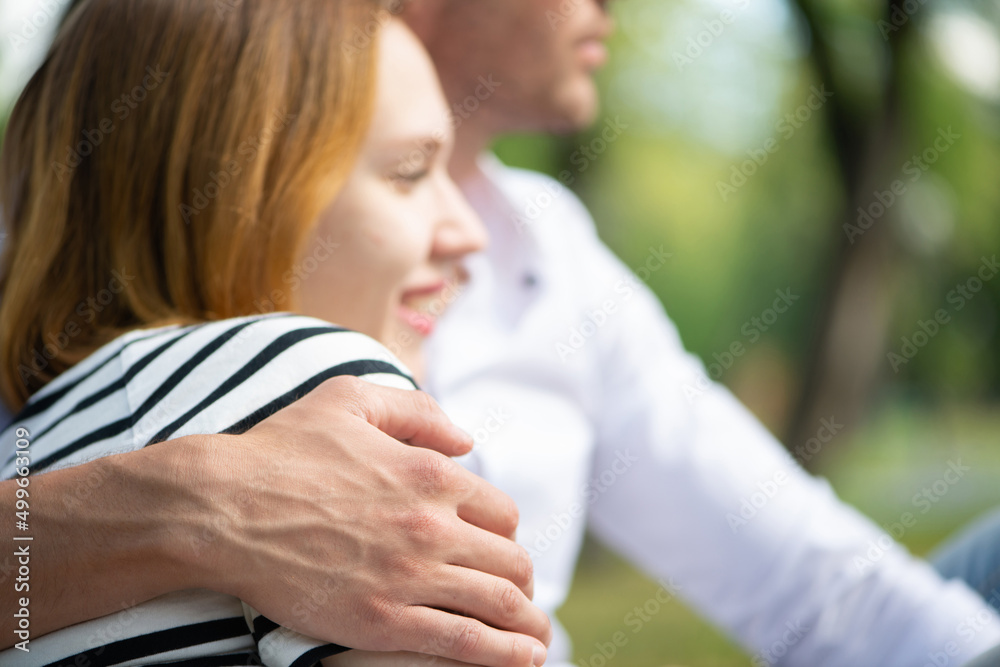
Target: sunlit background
[{"x": 846, "y": 150}]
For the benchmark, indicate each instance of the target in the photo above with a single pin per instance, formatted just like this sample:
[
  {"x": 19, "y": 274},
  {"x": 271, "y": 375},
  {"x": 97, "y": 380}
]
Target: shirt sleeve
[
  {"x": 280, "y": 647},
  {"x": 718, "y": 508}
]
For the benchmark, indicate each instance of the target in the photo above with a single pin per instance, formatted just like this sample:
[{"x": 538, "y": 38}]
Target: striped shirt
[{"x": 152, "y": 385}]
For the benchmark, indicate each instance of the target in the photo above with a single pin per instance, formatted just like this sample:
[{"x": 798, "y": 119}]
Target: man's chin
[{"x": 575, "y": 111}]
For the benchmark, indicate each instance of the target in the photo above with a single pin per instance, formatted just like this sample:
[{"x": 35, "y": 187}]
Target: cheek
[
  {"x": 378, "y": 237},
  {"x": 381, "y": 243},
  {"x": 392, "y": 248}
]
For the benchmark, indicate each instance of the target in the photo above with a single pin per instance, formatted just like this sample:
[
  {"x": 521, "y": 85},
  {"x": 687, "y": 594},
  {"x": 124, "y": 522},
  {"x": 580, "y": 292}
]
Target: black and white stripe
[{"x": 155, "y": 385}]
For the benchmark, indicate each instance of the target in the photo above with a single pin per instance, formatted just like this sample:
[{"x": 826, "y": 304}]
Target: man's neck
[{"x": 470, "y": 142}]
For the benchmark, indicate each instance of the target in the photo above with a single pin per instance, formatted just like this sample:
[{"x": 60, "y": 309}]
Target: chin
[{"x": 576, "y": 108}]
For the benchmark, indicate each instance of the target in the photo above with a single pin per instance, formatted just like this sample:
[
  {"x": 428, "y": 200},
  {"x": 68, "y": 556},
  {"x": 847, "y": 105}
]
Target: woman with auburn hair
[{"x": 173, "y": 173}]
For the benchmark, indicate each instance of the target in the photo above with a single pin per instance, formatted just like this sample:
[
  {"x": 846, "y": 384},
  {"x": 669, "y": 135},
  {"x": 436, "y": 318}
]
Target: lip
[
  {"x": 593, "y": 52},
  {"x": 421, "y": 322},
  {"x": 424, "y": 290},
  {"x": 592, "y": 48}
]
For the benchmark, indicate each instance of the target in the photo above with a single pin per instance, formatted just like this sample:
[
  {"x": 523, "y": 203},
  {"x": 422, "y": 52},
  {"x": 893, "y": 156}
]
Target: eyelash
[{"x": 414, "y": 176}]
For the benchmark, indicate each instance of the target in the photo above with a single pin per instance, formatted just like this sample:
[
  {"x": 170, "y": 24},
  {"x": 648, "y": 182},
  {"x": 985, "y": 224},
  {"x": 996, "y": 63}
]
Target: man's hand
[
  {"x": 327, "y": 525},
  {"x": 315, "y": 517}
]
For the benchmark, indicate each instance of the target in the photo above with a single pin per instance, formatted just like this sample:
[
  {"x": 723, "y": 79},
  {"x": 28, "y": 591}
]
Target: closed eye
[{"x": 407, "y": 180}]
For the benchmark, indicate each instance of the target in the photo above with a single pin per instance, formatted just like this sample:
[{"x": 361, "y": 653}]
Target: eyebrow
[
  {"x": 413, "y": 153},
  {"x": 427, "y": 144}
]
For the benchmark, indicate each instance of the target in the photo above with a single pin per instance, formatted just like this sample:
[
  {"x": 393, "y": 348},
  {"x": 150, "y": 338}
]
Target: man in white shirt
[{"x": 587, "y": 410}]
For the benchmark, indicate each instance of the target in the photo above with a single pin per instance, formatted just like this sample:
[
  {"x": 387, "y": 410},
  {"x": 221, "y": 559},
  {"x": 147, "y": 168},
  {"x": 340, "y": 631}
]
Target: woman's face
[{"x": 385, "y": 256}]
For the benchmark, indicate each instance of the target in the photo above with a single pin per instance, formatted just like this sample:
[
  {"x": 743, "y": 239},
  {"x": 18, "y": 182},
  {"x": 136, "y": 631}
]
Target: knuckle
[
  {"x": 520, "y": 652},
  {"x": 425, "y": 404},
  {"x": 404, "y": 570},
  {"x": 346, "y": 391},
  {"x": 344, "y": 384},
  {"x": 508, "y": 600},
  {"x": 381, "y": 613},
  {"x": 467, "y": 641},
  {"x": 423, "y": 525},
  {"x": 524, "y": 569},
  {"x": 432, "y": 472}
]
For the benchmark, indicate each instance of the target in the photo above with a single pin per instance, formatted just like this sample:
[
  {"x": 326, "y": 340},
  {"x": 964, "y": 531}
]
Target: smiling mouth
[{"x": 420, "y": 308}]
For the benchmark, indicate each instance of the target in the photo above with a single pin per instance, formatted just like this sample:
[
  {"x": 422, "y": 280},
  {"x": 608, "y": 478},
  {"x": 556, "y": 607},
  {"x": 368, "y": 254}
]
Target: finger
[
  {"x": 486, "y": 506},
  {"x": 494, "y": 555},
  {"x": 504, "y": 606},
  {"x": 412, "y": 417},
  {"x": 464, "y": 639}
]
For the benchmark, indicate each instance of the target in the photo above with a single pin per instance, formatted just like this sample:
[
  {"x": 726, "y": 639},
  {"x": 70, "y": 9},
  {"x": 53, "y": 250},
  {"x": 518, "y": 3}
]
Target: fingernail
[{"x": 538, "y": 656}]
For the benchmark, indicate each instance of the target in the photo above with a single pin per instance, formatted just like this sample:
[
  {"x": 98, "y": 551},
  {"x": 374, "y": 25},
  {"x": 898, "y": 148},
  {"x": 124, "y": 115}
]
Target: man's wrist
[{"x": 193, "y": 522}]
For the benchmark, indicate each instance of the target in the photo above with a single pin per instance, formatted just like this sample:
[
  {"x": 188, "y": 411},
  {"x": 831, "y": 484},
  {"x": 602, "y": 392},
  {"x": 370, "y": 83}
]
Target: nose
[{"x": 460, "y": 230}]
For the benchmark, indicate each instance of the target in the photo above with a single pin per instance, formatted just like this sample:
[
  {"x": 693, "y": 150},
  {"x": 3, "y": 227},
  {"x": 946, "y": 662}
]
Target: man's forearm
[{"x": 105, "y": 535}]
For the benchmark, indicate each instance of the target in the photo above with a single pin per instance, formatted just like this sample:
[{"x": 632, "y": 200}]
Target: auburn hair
[{"x": 167, "y": 163}]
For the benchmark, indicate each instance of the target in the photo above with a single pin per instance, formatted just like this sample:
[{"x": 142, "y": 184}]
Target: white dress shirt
[{"x": 587, "y": 410}]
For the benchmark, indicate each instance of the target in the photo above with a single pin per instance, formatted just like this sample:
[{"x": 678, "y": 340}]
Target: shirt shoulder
[{"x": 226, "y": 376}]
